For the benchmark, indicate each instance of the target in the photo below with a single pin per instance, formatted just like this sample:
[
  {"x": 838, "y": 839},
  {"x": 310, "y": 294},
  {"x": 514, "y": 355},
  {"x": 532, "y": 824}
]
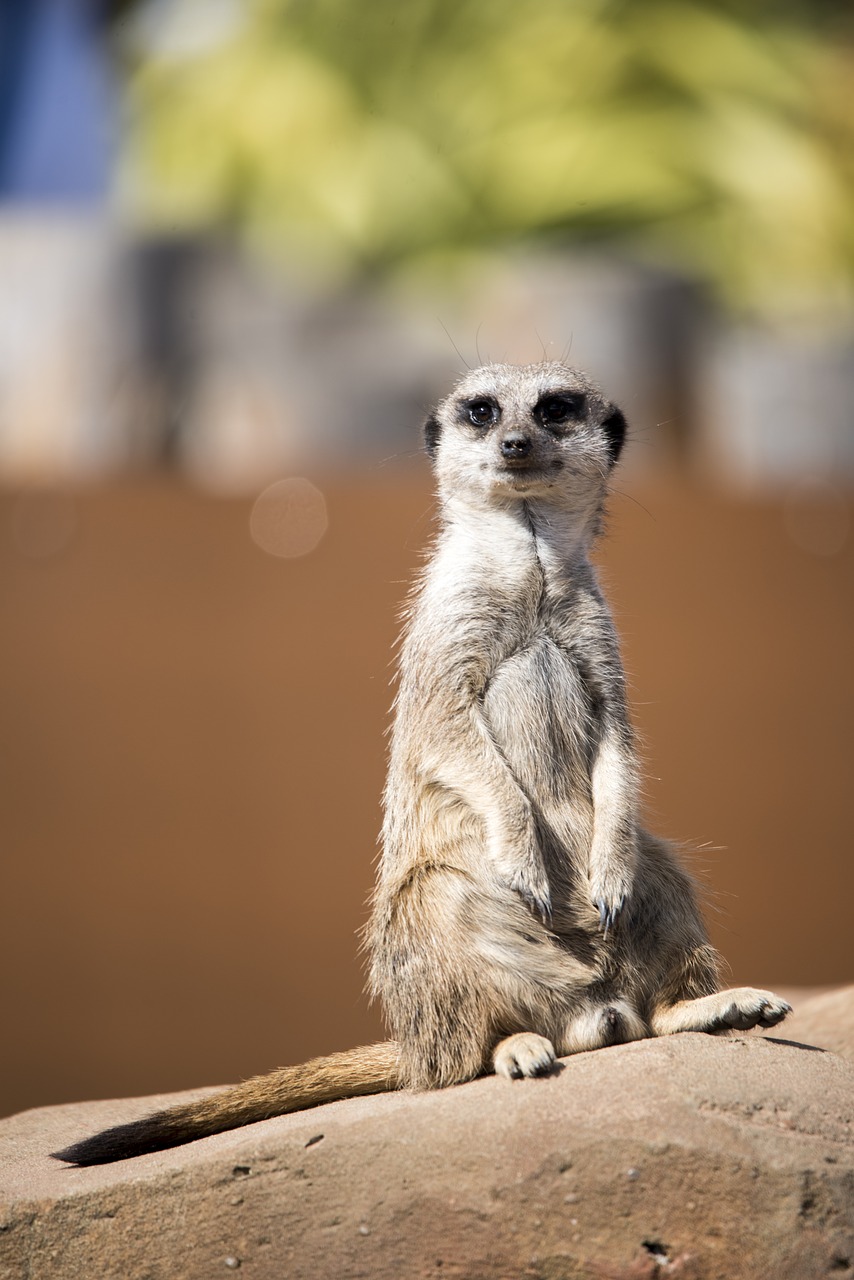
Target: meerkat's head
[{"x": 523, "y": 432}]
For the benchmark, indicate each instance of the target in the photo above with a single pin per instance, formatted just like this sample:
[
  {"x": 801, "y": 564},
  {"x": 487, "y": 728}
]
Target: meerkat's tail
[{"x": 371, "y": 1069}]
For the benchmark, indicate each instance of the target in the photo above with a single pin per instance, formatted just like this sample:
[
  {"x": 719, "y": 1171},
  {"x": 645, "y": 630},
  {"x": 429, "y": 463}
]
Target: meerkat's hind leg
[
  {"x": 737, "y": 1009},
  {"x": 523, "y": 1054}
]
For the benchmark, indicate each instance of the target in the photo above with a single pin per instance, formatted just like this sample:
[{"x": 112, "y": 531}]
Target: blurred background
[{"x": 244, "y": 245}]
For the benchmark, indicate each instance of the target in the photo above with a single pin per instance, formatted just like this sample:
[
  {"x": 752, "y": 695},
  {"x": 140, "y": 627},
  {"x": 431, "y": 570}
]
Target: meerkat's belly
[{"x": 539, "y": 712}]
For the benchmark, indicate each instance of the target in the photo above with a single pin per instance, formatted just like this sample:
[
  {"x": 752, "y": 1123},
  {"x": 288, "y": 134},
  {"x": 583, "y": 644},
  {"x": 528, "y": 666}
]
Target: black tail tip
[
  {"x": 83, "y": 1153},
  {"x": 97, "y": 1150},
  {"x": 120, "y": 1143}
]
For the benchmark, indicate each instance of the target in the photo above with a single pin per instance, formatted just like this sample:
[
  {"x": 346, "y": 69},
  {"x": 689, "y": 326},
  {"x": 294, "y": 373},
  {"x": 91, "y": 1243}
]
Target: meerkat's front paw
[
  {"x": 532, "y": 885},
  {"x": 519, "y": 863},
  {"x": 525, "y": 1054},
  {"x": 608, "y": 912},
  {"x": 610, "y": 897}
]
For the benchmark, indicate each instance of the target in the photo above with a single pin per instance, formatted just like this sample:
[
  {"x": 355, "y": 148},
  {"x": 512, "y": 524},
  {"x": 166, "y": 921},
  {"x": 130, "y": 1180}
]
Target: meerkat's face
[{"x": 542, "y": 430}]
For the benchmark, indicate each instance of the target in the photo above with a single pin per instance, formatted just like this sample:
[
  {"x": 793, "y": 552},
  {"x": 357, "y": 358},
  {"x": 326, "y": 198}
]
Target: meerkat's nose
[{"x": 515, "y": 445}]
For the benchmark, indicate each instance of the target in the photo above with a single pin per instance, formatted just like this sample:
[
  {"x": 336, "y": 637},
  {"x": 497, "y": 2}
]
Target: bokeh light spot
[{"x": 289, "y": 518}]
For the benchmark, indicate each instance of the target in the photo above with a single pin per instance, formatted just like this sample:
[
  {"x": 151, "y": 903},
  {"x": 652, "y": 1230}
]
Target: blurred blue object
[{"x": 58, "y": 104}]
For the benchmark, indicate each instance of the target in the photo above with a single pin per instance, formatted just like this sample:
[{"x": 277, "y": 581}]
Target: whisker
[
  {"x": 394, "y": 457},
  {"x": 453, "y": 344},
  {"x": 623, "y": 494}
]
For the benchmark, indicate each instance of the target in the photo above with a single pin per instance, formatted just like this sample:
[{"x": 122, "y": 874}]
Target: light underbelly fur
[{"x": 539, "y": 714}]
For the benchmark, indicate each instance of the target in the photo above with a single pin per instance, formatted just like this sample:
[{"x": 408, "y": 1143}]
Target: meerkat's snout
[{"x": 516, "y": 446}]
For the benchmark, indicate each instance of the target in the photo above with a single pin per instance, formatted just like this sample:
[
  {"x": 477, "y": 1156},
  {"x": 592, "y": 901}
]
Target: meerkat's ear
[
  {"x": 614, "y": 427},
  {"x": 432, "y": 432}
]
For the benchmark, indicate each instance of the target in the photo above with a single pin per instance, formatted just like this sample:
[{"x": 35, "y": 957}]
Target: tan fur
[{"x": 521, "y": 910}]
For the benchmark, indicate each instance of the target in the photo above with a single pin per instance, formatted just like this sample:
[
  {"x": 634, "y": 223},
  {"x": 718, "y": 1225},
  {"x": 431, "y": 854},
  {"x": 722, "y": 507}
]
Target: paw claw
[
  {"x": 609, "y": 913},
  {"x": 771, "y": 1014},
  {"x": 540, "y": 904}
]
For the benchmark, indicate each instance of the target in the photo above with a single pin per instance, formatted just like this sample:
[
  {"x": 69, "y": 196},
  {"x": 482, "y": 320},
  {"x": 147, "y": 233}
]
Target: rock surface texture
[
  {"x": 826, "y": 1019},
  {"x": 693, "y": 1156}
]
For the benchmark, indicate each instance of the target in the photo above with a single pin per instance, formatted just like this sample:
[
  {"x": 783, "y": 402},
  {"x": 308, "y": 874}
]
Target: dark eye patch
[
  {"x": 560, "y": 408},
  {"x": 481, "y": 412}
]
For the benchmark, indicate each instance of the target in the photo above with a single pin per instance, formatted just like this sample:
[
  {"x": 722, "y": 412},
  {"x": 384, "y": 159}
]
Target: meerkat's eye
[
  {"x": 482, "y": 413},
  {"x": 555, "y": 411}
]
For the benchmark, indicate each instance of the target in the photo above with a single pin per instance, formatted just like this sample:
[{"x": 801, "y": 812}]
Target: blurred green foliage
[{"x": 368, "y": 136}]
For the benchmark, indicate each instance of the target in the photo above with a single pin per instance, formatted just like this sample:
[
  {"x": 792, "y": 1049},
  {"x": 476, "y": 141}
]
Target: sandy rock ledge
[{"x": 692, "y": 1156}]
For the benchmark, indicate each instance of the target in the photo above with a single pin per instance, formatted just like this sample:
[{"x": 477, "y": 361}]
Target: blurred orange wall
[{"x": 192, "y": 738}]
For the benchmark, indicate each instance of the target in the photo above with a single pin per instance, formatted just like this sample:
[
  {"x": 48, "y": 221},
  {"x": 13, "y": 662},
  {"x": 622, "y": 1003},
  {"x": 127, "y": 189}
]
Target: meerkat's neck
[
  {"x": 562, "y": 535},
  {"x": 558, "y": 536}
]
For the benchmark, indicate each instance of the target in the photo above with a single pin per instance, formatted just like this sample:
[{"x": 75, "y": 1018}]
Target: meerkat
[{"x": 521, "y": 912}]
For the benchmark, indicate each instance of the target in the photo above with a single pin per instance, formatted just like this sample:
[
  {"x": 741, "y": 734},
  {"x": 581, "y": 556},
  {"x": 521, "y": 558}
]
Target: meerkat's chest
[{"x": 541, "y": 711}]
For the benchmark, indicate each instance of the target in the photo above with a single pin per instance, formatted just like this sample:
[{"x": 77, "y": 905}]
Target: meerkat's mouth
[
  {"x": 525, "y": 482},
  {"x": 525, "y": 467},
  {"x": 523, "y": 474}
]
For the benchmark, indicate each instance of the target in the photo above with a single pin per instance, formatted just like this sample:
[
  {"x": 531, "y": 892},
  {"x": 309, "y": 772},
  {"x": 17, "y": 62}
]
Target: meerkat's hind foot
[
  {"x": 738, "y": 1009},
  {"x": 746, "y": 1008},
  {"x": 524, "y": 1054}
]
